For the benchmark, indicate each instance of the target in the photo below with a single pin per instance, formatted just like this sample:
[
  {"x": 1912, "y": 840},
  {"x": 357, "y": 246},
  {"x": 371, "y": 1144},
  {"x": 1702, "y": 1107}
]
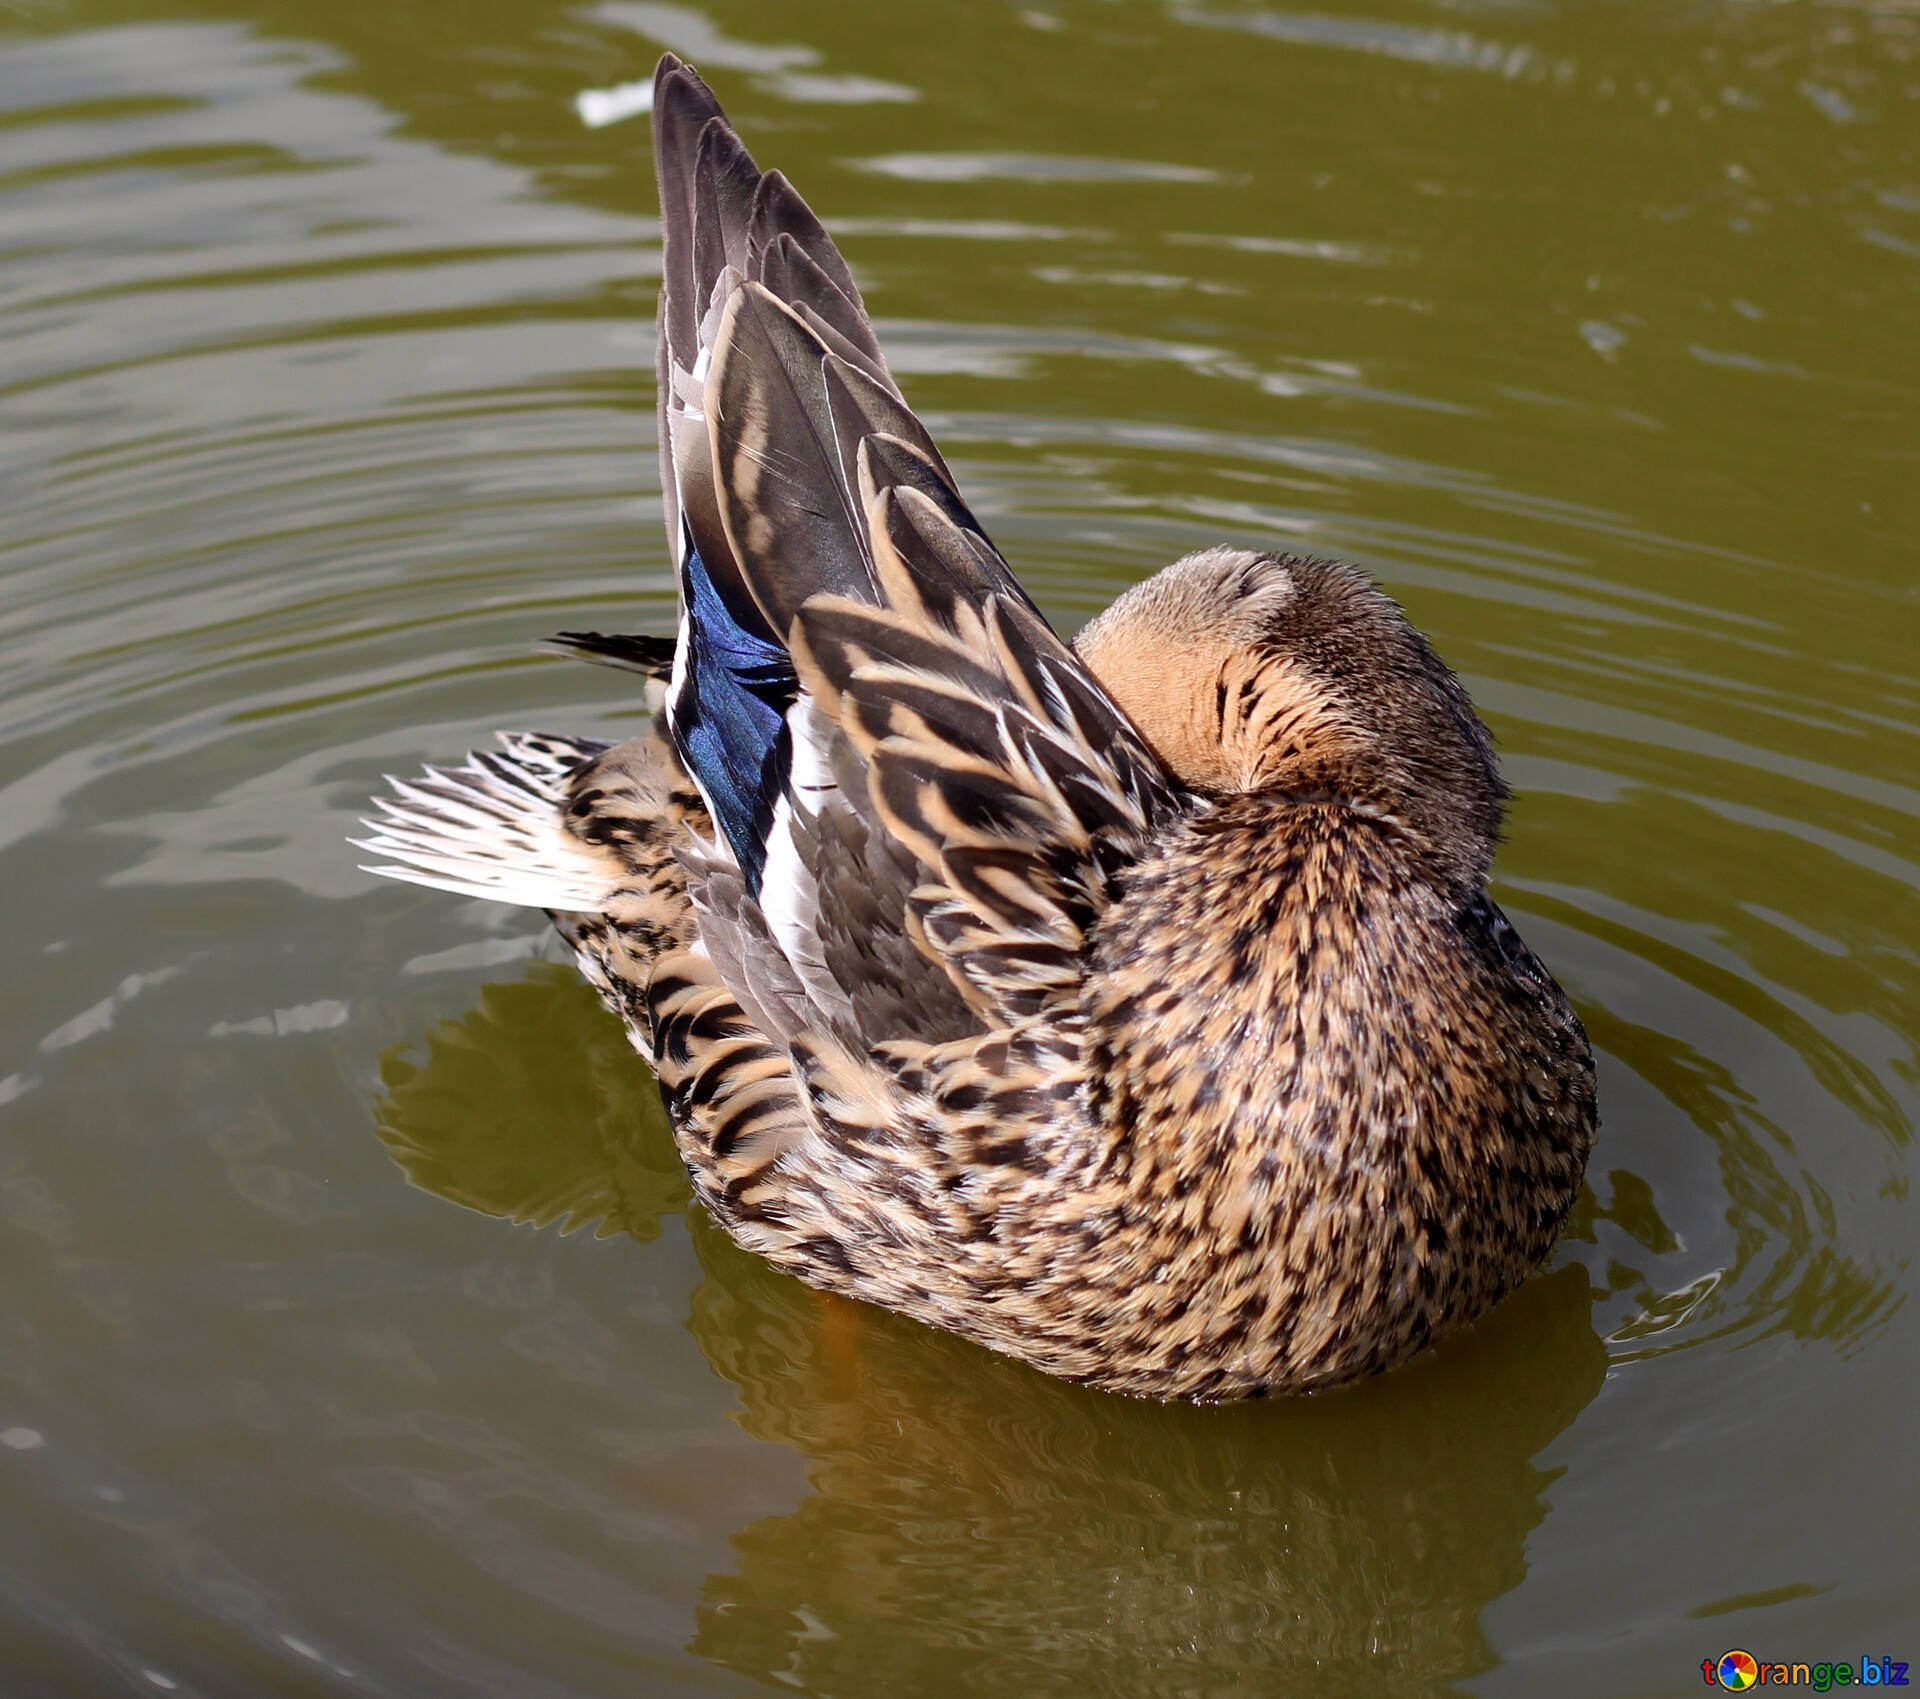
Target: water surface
[{"x": 356, "y": 1335}]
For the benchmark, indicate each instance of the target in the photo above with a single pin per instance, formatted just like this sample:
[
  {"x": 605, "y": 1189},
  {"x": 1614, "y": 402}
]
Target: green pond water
[{"x": 1591, "y": 329}]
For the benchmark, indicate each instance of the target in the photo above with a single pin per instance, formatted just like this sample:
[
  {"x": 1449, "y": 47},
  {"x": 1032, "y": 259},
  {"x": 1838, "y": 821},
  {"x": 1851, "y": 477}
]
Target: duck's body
[{"x": 1139, "y": 1012}]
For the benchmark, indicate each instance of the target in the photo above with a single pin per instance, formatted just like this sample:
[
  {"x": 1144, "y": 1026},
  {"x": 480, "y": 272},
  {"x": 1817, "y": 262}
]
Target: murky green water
[{"x": 325, "y": 354}]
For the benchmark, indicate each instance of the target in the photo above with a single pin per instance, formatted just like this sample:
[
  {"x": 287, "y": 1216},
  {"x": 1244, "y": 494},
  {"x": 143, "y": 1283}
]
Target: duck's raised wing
[{"x": 921, "y": 796}]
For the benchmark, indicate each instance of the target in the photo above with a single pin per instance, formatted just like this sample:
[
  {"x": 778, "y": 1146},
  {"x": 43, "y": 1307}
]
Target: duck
[{"x": 1136, "y": 1006}]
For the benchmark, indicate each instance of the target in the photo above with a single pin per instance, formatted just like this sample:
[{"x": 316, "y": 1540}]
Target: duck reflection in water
[{"x": 977, "y": 1526}]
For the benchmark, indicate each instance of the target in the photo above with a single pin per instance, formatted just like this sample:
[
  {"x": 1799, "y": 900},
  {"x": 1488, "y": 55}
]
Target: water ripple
[{"x": 327, "y": 372}]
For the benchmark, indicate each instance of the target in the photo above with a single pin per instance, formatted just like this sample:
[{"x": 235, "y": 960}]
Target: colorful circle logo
[{"x": 1737, "y": 1671}]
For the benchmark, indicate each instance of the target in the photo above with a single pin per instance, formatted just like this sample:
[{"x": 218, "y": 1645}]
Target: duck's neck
[{"x": 1246, "y": 961}]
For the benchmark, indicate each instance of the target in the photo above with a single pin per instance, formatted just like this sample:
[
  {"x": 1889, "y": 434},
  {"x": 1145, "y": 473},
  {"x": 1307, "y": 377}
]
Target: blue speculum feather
[{"x": 731, "y": 719}]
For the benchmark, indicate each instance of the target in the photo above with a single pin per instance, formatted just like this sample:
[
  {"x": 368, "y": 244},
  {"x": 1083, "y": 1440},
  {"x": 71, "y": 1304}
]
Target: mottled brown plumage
[{"x": 1136, "y": 1009}]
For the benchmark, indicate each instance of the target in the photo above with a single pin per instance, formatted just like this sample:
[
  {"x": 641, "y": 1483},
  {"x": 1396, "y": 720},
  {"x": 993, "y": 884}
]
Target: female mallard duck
[{"x": 1137, "y": 1008}]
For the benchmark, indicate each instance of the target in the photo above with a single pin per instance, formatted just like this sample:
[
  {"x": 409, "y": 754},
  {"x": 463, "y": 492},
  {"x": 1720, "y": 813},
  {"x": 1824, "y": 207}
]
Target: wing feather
[
  {"x": 923, "y": 839},
  {"x": 787, "y": 501},
  {"x": 782, "y": 219}
]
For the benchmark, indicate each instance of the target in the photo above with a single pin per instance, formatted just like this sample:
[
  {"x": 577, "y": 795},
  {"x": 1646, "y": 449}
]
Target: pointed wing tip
[
  {"x": 672, "y": 68},
  {"x": 677, "y": 84}
]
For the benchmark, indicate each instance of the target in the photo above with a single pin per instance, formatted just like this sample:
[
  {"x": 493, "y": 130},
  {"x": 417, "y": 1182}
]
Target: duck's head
[{"x": 1257, "y": 673}]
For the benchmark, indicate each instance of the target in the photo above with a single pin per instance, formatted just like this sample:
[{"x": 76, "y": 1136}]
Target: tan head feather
[
  {"x": 1188, "y": 655},
  {"x": 1255, "y": 672}
]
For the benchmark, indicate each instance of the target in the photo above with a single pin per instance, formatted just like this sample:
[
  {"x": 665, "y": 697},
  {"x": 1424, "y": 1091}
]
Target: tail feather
[{"x": 495, "y": 828}]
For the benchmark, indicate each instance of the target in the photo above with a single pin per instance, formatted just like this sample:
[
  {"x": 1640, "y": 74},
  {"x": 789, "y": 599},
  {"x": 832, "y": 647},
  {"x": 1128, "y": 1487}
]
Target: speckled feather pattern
[
  {"x": 1136, "y": 1009},
  {"x": 1268, "y": 1145}
]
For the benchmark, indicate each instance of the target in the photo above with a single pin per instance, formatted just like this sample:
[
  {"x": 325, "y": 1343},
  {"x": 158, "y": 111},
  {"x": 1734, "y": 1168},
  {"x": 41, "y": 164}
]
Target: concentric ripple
[{"x": 325, "y": 355}]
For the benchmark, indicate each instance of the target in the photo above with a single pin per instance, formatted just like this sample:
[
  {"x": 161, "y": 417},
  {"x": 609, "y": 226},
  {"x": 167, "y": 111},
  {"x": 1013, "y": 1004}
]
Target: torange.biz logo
[{"x": 1738, "y": 1671}]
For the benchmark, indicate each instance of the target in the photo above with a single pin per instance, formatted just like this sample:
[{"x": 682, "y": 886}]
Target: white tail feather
[{"x": 493, "y": 828}]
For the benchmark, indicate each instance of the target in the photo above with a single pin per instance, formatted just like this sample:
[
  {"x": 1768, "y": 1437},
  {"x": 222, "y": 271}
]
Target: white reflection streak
[{"x": 599, "y": 107}]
